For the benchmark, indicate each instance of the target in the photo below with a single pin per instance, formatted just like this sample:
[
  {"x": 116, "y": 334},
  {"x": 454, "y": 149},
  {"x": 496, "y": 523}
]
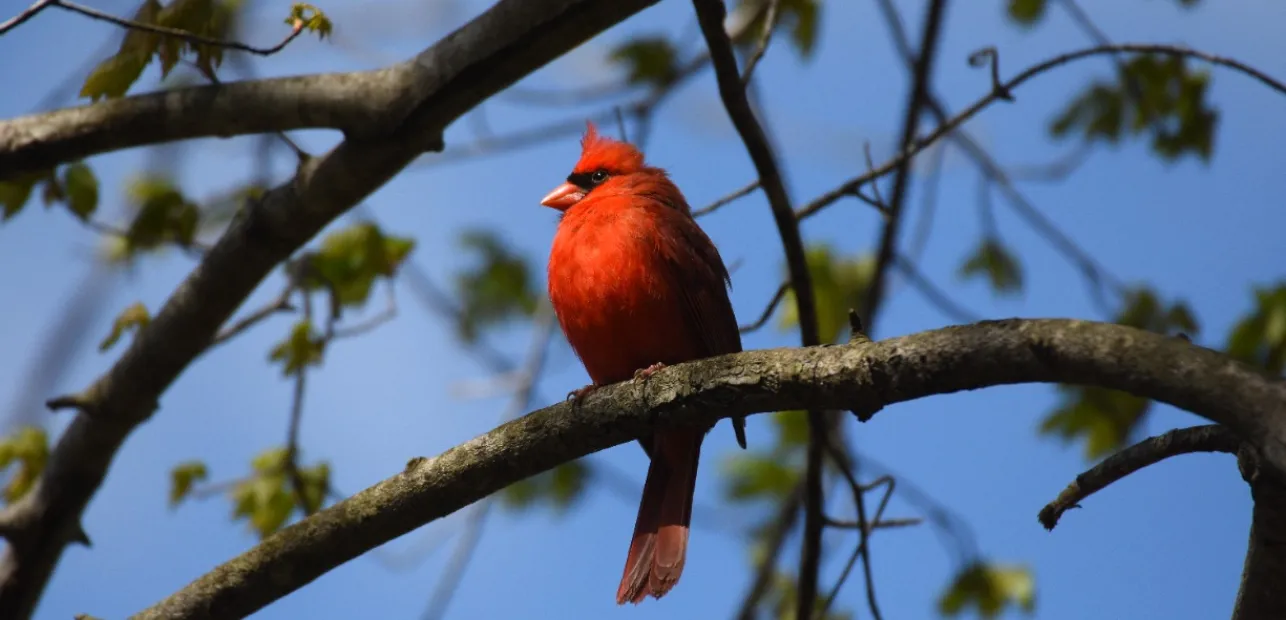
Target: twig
[
  {"x": 388, "y": 314},
  {"x": 922, "y": 72},
  {"x": 934, "y": 295},
  {"x": 929, "y": 204},
  {"x": 279, "y": 304},
  {"x": 25, "y": 15},
  {"x": 768, "y": 310},
  {"x": 711, "y": 14},
  {"x": 882, "y": 524},
  {"x": 782, "y": 524},
  {"x": 1207, "y": 438},
  {"x": 730, "y": 198},
  {"x": 864, "y": 529},
  {"x": 952, "y": 123},
  {"x": 761, "y": 46},
  {"x": 296, "y": 29},
  {"x": 521, "y": 401}
]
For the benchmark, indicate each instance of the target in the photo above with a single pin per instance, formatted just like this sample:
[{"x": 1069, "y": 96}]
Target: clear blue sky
[{"x": 1165, "y": 543}]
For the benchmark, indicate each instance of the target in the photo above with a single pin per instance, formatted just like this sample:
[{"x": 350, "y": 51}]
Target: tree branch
[
  {"x": 1261, "y": 596},
  {"x": 191, "y": 37},
  {"x": 1003, "y": 90},
  {"x": 508, "y": 41},
  {"x": 711, "y": 15},
  {"x": 1150, "y": 451},
  {"x": 863, "y": 376}
]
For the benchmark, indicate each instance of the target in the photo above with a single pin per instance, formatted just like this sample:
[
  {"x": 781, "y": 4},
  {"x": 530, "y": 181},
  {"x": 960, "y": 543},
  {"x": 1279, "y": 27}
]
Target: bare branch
[
  {"x": 523, "y": 394},
  {"x": 761, "y": 46},
  {"x": 190, "y": 37},
  {"x": 768, "y": 310},
  {"x": 711, "y": 15},
  {"x": 279, "y": 304},
  {"x": 782, "y": 524},
  {"x": 944, "y": 128},
  {"x": 1150, "y": 451},
  {"x": 730, "y": 198},
  {"x": 26, "y": 14},
  {"x": 862, "y": 376}
]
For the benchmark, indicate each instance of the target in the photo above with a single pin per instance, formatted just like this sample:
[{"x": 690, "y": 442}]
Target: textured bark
[
  {"x": 1262, "y": 595},
  {"x": 417, "y": 100},
  {"x": 861, "y": 376}
]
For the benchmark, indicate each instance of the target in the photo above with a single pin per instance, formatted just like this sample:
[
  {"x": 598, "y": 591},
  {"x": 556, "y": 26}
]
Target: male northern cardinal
[{"x": 637, "y": 285}]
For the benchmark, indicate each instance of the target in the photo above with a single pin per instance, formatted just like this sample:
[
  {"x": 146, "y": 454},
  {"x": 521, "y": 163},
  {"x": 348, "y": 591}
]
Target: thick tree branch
[
  {"x": 862, "y": 376},
  {"x": 1261, "y": 595},
  {"x": 1150, "y": 451},
  {"x": 508, "y": 41}
]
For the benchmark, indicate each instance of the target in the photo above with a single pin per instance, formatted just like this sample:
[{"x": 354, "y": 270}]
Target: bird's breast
[{"x": 612, "y": 287}]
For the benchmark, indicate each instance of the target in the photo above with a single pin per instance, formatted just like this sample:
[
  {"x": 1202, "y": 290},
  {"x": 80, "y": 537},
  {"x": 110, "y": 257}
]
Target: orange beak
[{"x": 563, "y": 196}]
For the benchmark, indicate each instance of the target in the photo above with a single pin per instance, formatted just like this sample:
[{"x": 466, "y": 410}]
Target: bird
[{"x": 637, "y": 285}]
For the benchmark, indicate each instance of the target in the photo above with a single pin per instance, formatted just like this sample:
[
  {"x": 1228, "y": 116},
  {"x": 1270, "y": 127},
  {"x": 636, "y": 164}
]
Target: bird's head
[{"x": 601, "y": 160}]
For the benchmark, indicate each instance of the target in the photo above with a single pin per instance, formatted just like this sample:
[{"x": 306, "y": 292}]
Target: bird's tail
[{"x": 660, "y": 542}]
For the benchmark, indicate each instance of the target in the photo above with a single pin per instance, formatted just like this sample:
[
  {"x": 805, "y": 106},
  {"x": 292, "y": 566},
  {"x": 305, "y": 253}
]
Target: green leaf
[
  {"x": 991, "y": 588},
  {"x": 114, "y": 76},
  {"x": 560, "y": 487},
  {"x": 1157, "y": 95},
  {"x": 1001, "y": 268},
  {"x": 1106, "y": 419},
  {"x": 82, "y": 190},
  {"x": 182, "y": 477},
  {"x": 648, "y": 60},
  {"x": 792, "y": 428},
  {"x": 1026, "y": 12},
  {"x": 758, "y": 476},
  {"x": 801, "y": 17},
  {"x": 164, "y": 216},
  {"x": 838, "y": 284},
  {"x": 302, "y": 348},
  {"x": 15, "y": 192},
  {"x": 351, "y": 259},
  {"x": 267, "y": 498},
  {"x": 27, "y": 450},
  {"x": 133, "y": 318},
  {"x": 1260, "y": 337},
  {"x": 496, "y": 290},
  {"x": 311, "y": 17}
]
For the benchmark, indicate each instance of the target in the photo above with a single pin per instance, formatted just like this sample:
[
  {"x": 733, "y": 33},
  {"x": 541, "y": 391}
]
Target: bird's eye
[{"x": 598, "y": 177}]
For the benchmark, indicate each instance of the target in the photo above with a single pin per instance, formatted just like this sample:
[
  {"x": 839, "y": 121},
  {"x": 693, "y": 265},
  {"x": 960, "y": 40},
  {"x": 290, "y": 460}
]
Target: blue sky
[{"x": 1167, "y": 542}]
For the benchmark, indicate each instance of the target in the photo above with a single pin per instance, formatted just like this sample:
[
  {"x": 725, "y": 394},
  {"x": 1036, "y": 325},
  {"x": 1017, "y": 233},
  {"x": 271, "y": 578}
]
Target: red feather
[{"x": 635, "y": 282}]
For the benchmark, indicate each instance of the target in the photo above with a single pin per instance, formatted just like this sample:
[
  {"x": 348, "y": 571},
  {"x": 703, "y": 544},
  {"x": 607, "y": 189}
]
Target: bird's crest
[{"x": 599, "y": 152}]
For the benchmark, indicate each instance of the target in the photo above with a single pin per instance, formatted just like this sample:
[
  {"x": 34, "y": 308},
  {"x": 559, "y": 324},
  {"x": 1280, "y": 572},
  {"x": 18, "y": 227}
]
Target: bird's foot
[
  {"x": 642, "y": 374},
  {"x": 579, "y": 394}
]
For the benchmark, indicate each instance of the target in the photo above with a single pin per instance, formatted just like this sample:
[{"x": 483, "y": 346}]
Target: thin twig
[
  {"x": 863, "y": 549},
  {"x": 775, "y": 540},
  {"x": 1206, "y": 438},
  {"x": 279, "y": 304},
  {"x": 954, "y": 122},
  {"x": 768, "y": 310},
  {"x": 934, "y": 295},
  {"x": 922, "y": 71},
  {"x": 296, "y": 29},
  {"x": 730, "y": 198},
  {"x": 542, "y": 336},
  {"x": 761, "y": 46},
  {"x": 388, "y": 314},
  {"x": 25, "y": 15}
]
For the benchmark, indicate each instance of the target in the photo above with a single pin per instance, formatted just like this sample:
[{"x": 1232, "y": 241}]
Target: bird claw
[
  {"x": 643, "y": 374},
  {"x": 579, "y": 394}
]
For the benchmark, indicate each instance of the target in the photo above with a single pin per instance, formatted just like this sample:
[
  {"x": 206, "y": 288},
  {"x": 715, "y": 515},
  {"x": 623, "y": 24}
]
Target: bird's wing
[{"x": 703, "y": 279}]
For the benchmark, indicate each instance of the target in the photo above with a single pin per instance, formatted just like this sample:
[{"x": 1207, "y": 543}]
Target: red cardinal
[{"x": 637, "y": 285}]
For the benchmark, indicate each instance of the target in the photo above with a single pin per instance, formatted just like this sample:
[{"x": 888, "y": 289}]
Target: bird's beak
[{"x": 563, "y": 196}]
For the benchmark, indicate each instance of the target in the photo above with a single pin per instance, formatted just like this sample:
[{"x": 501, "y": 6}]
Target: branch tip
[
  {"x": 69, "y": 401},
  {"x": 1207, "y": 438}
]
